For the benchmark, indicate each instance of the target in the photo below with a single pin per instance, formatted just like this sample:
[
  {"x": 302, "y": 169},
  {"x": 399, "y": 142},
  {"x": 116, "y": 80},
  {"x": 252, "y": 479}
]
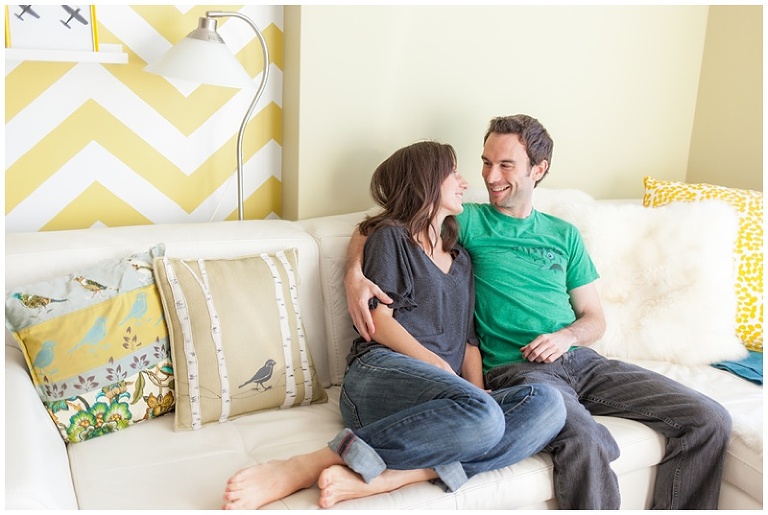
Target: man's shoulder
[{"x": 555, "y": 221}]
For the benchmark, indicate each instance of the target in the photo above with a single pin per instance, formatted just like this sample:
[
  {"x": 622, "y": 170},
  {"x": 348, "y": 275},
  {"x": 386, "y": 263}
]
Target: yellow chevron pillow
[
  {"x": 748, "y": 251},
  {"x": 96, "y": 345},
  {"x": 237, "y": 337}
]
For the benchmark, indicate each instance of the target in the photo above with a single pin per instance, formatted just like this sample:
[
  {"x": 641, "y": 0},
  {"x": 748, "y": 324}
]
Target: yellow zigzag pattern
[
  {"x": 91, "y": 123},
  {"x": 99, "y": 205},
  {"x": 28, "y": 81}
]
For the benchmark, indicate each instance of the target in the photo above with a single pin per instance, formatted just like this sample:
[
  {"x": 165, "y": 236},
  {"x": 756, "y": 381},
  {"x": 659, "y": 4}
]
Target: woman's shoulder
[
  {"x": 389, "y": 230},
  {"x": 387, "y": 235}
]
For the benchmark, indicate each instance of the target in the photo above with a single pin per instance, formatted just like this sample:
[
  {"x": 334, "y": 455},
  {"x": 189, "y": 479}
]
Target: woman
[{"x": 412, "y": 399}]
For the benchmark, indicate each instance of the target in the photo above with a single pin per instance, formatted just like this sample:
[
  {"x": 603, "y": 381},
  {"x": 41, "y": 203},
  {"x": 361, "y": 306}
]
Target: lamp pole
[{"x": 264, "y": 76}]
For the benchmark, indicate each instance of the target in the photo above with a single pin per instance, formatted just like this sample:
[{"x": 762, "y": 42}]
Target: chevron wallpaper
[{"x": 90, "y": 144}]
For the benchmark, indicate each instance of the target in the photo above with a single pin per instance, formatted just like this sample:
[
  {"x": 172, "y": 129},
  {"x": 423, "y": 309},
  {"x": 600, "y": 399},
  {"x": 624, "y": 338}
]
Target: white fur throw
[{"x": 667, "y": 278}]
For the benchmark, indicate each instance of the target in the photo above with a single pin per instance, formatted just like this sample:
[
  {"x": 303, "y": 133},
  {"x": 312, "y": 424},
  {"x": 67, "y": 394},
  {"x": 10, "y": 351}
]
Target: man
[{"x": 537, "y": 311}]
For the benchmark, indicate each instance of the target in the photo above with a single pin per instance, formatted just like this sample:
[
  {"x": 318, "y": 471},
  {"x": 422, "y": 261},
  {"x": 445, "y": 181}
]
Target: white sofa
[{"x": 150, "y": 466}]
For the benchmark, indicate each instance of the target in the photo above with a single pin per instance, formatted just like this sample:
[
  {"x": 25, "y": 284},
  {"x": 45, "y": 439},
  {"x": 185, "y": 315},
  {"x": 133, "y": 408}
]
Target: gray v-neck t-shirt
[{"x": 435, "y": 307}]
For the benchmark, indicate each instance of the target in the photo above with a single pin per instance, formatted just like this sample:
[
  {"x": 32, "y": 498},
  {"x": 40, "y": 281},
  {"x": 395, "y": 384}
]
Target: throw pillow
[
  {"x": 748, "y": 248},
  {"x": 666, "y": 279},
  {"x": 237, "y": 338},
  {"x": 96, "y": 345}
]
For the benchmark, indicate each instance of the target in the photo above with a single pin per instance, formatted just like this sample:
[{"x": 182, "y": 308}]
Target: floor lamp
[{"x": 203, "y": 57}]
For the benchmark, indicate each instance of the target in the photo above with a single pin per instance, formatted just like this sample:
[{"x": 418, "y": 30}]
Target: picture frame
[{"x": 51, "y": 27}]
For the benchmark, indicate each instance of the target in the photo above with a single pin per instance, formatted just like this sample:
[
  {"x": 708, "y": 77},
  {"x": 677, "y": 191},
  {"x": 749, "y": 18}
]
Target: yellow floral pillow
[
  {"x": 96, "y": 344},
  {"x": 749, "y": 245}
]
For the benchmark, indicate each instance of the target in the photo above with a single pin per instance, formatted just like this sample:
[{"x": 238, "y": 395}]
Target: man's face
[{"x": 507, "y": 171}]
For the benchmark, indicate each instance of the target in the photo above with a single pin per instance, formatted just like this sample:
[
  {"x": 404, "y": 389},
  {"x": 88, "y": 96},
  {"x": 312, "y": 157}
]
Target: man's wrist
[{"x": 353, "y": 274}]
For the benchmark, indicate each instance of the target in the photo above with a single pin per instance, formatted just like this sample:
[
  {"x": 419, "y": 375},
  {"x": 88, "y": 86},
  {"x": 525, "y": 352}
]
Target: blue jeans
[
  {"x": 402, "y": 413},
  {"x": 696, "y": 427}
]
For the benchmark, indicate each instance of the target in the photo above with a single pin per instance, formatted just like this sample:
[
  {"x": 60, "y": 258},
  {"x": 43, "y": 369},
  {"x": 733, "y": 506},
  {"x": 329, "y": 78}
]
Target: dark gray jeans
[{"x": 697, "y": 429}]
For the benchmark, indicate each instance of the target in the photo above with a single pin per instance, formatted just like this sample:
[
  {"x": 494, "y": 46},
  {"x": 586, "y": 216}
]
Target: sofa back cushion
[
  {"x": 332, "y": 234},
  {"x": 602, "y": 223},
  {"x": 32, "y": 257}
]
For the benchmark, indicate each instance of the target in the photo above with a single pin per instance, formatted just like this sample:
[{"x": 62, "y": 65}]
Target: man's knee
[
  {"x": 593, "y": 444},
  {"x": 717, "y": 421}
]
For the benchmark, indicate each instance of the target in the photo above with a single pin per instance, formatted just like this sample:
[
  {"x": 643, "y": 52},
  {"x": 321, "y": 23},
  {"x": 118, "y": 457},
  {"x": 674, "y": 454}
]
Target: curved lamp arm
[{"x": 262, "y": 86}]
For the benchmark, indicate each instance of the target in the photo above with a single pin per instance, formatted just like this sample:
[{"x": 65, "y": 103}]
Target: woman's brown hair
[{"x": 407, "y": 186}]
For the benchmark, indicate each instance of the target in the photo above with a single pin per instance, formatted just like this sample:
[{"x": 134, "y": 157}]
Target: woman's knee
[
  {"x": 484, "y": 420},
  {"x": 552, "y": 398},
  {"x": 549, "y": 407}
]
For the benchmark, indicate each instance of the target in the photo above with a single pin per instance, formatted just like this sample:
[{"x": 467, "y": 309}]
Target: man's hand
[
  {"x": 360, "y": 291},
  {"x": 588, "y": 327},
  {"x": 546, "y": 348}
]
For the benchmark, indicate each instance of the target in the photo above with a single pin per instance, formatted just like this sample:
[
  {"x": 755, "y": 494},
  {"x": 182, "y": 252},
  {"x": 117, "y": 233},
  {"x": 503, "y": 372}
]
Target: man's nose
[{"x": 492, "y": 173}]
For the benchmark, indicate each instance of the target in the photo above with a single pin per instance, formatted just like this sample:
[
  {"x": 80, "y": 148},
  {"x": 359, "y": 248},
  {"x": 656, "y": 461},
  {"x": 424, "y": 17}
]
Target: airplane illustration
[
  {"x": 24, "y": 10},
  {"x": 73, "y": 13}
]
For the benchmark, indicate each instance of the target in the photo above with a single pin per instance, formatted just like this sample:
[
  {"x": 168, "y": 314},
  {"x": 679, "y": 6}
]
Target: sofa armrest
[{"x": 37, "y": 474}]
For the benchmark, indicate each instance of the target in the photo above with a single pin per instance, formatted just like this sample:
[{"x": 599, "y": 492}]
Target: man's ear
[{"x": 540, "y": 169}]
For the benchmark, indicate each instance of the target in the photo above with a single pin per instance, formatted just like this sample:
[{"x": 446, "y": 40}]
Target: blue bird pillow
[
  {"x": 237, "y": 338},
  {"x": 97, "y": 346}
]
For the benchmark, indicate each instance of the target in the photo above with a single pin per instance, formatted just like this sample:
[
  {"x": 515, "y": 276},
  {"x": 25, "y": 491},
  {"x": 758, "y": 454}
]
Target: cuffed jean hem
[
  {"x": 358, "y": 455},
  {"x": 452, "y": 475}
]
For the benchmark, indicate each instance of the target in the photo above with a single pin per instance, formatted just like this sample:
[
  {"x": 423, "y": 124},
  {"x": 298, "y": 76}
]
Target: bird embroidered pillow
[
  {"x": 237, "y": 339},
  {"x": 96, "y": 344}
]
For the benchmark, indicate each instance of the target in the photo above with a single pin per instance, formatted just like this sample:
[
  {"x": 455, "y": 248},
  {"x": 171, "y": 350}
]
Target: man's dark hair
[{"x": 538, "y": 144}]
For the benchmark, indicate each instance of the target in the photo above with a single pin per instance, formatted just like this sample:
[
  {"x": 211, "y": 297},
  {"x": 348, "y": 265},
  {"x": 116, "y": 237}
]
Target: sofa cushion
[
  {"x": 748, "y": 247},
  {"x": 96, "y": 345},
  {"x": 666, "y": 278},
  {"x": 237, "y": 337},
  {"x": 219, "y": 450}
]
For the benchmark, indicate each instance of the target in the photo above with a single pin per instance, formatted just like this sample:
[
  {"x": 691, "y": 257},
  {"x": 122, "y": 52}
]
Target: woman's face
[{"x": 452, "y": 193}]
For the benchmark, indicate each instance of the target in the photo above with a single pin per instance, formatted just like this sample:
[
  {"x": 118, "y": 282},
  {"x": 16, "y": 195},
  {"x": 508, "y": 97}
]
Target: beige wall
[
  {"x": 726, "y": 146},
  {"x": 615, "y": 85}
]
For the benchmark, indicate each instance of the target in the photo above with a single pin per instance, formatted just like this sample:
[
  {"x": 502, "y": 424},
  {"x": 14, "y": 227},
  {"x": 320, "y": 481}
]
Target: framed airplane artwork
[{"x": 51, "y": 27}]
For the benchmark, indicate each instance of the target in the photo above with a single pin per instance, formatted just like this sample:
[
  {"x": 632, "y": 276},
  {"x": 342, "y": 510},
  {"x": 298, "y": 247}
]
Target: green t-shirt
[{"x": 524, "y": 269}]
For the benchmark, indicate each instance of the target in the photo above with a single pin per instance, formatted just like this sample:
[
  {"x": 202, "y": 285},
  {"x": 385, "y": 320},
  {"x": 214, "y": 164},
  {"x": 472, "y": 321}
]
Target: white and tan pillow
[
  {"x": 748, "y": 249},
  {"x": 237, "y": 338}
]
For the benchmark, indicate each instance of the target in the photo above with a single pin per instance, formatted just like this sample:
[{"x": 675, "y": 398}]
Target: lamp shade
[
  {"x": 206, "y": 62},
  {"x": 203, "y": 57}
]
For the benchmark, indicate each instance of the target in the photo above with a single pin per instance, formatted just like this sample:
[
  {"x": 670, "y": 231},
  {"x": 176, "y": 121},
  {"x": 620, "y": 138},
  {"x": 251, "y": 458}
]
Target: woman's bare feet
[
  {"x": 253, "y": 487},
  {"x": 340, "y": 483}
]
